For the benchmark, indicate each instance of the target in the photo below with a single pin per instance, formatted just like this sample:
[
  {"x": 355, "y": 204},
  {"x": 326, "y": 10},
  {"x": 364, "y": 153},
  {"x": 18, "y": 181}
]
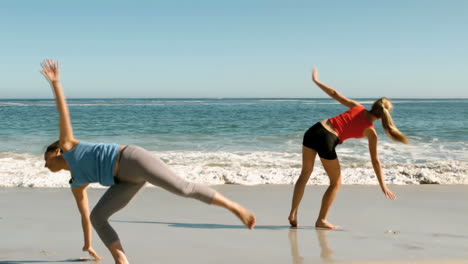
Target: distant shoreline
[{"x": 229, "y": 98}]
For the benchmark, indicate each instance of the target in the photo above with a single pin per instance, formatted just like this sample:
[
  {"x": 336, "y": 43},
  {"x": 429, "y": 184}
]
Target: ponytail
[{"x": 381, "y": 108}]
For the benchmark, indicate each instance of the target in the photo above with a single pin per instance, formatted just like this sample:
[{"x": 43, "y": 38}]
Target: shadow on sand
[{"x": 212, "y": 226}]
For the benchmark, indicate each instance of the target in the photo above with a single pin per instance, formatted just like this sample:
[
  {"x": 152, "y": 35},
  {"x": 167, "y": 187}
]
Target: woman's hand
[
  {"x": 388, "y": 193},
  {"x": 50, "y": 70},
  {"x": 91, "y": 252},
  {"x": 314, "y": 75}
]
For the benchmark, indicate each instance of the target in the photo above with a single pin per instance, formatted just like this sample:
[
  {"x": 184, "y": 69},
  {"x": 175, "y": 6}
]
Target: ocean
[{"x": 237, "y": 141}]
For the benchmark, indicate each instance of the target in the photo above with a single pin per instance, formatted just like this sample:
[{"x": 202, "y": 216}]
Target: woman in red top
[{"x": 323, "y": 137}]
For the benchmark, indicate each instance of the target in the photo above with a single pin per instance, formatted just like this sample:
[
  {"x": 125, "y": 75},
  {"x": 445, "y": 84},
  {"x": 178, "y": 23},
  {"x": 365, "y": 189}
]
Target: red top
[{"x": 351, "y": 124}]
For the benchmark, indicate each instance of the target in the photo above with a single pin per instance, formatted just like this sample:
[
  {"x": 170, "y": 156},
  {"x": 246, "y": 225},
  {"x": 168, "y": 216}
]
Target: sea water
[{"x": 237, "y": 141}]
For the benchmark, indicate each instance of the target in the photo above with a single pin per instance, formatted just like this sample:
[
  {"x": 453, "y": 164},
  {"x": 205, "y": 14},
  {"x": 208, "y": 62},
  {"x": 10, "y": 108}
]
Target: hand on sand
[
  {"x": 91, "y": 252},
  {"x": 324, "y": 224},
  {"x": 50, "y": 70},
  {"x": 388, "y": 193}
]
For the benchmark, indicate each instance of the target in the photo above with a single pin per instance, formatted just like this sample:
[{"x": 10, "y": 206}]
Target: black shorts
[{"x": 321, "y": 140}]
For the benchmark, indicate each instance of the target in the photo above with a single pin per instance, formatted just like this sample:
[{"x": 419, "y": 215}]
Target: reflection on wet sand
[
  {"x": 326, "y": 253},
  {"x": 296, "y": 258}
]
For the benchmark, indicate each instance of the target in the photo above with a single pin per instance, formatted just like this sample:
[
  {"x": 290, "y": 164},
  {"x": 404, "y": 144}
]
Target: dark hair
[{"x": 53, "y": 147}]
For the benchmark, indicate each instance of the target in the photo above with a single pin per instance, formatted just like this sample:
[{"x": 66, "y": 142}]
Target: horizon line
[{"x": 220, "y": 98}]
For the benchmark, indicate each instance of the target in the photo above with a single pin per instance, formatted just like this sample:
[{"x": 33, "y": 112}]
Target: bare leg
[
  {"x": 117, "y": 252},
  {"x": 308, "y": 159},
  {"x": 247, "y": 218},
  {"x": 332, "y": 167}
]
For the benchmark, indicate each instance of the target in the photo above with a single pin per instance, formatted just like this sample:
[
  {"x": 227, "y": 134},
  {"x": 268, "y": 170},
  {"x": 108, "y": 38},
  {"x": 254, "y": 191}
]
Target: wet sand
[{"x": 426, "y": 224}]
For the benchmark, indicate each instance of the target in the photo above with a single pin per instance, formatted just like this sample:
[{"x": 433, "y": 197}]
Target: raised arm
[
  {"x": 81, "y": 197},
  {"x": 332, "y": 92},
  {"x": 371, "y": 135},
  {"x": 51, "y": 72}
]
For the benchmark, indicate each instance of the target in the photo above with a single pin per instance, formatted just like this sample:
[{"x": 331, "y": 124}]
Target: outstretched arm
[
  {"x": 51, "y": 72},
  {"x": 81, "y": 197},
  {"x": 332, "y": 92},
  {"x": 371, "y": 135}
]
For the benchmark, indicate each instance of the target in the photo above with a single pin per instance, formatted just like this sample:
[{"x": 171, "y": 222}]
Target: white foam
[
  {"x": 183, "y": 101},
  {"x": 246, "y": 168},
  {"x": 227, "y": 103},
  {"x": 117, "y": 104},
  {"x": 11, "y": 104},
  {"x": 427, "y": 101},
  {"x": 330, "y": 103},
  {"x": 282, "y": 100}
]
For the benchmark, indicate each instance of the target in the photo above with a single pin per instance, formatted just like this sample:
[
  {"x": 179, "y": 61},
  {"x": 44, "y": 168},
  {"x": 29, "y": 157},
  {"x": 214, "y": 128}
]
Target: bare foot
[
  {"x": 247, "y": 218},
  {"x": 293, "y": 220},
  {"x": 325, "y": 224}
]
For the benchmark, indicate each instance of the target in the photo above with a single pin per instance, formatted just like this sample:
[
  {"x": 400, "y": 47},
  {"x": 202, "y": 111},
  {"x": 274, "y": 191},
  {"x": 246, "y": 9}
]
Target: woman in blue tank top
[{"x": 125, "y": 169}]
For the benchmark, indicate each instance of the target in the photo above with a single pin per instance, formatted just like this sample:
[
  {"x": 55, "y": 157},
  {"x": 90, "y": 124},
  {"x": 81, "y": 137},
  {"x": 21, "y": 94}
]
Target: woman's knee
[
  {"x": 307, "y": 171},
  {"x": 97, "y": 218},
  {"x": 197, "y": 191},
  {"x": 336, "y": 183},
  {"x": 185, "y": 189},
  {"x": 304, "y": 177}
]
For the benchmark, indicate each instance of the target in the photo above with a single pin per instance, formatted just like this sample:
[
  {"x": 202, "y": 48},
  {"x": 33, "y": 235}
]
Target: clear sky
[{"x": 242, "y": 48}]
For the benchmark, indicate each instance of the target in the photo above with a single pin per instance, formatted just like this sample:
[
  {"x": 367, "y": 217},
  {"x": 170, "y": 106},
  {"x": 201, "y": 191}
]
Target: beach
[
  {"x": 426, "y": 224},
  {"x": 226, "y": 93}
]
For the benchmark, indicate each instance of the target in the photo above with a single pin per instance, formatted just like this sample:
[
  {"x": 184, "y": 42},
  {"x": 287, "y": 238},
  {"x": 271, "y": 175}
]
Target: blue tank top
[{"x": 91, "y": 162}]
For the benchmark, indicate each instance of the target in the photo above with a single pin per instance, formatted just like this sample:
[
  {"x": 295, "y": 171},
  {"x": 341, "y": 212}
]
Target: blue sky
[{"x": 400, "y": 48}]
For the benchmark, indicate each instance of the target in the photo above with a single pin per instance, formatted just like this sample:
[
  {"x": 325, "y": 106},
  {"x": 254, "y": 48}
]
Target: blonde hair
[{"x": 381, "y": 109}]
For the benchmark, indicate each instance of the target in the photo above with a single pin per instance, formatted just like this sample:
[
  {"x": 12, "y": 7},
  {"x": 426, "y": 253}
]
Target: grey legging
[{"x": 137, "y": 166}]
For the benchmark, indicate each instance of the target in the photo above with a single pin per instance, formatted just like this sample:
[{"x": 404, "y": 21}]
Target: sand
[{"x": 426, "y": 224}]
